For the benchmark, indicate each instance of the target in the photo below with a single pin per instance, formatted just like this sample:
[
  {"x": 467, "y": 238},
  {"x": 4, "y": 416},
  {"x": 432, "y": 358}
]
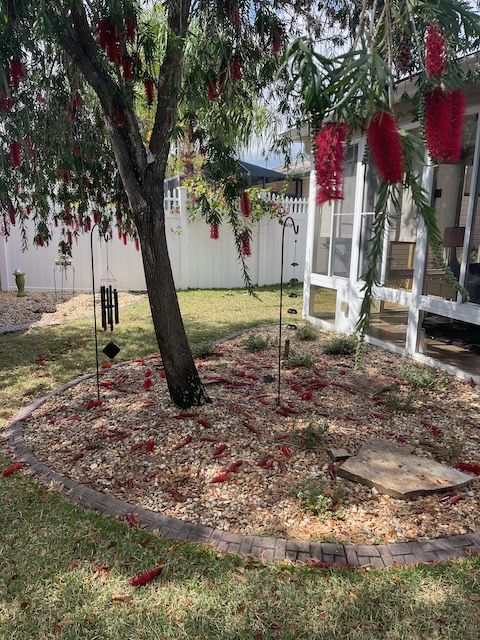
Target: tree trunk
[{"x": 184, "y": 383}]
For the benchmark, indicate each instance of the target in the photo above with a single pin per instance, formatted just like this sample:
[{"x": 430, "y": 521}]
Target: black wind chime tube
[
  {"x": 95, "y": 312},
  {"x": 115, "y": 304},
  {"x": 103, "y": 298},
  {"x": 295, "y": 231}
]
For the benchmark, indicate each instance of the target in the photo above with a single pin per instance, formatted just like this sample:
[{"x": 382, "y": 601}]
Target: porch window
[
  {"x": 451, "y": 194},
  {"x": 395, "y": 267},
  {"x": 332, "y": 247}
]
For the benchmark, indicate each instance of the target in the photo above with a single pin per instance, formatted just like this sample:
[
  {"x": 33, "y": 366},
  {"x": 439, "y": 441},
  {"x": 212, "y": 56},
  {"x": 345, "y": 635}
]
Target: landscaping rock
[{"x": 380, "y": 445}]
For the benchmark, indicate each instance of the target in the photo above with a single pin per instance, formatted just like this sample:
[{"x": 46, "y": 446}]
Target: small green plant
[
  {"x": 202, "y": 349},
  {"x": 420, "y": 377},
  {"x": 311, "y": 436},
  {"x": 340, "y": 346},
  {"x": 314, "y": 497},
  {"x": 397, "y": 403},
  {"x": 256, "y": 342},
  {"x": 297, "y": 359},
  {"x": 308, "y": 333}
]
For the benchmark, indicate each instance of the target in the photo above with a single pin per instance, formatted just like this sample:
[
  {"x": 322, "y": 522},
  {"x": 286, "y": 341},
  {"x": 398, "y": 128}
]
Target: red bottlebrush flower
[
  {"x": 222, "y": 477},
  {"x": 104, "y": 28},
  {"x": 130, "y": 28},
  {"x": 435, "y": 52},
  {"x": 386, "y": 147},
  {"x": 137, "y": 244},
  {"x": 246, "y": 248},
  {"x": 6, "y": 103},
  {"x": 131, "y": 519},
  {"x": 119, "y": 117},
  {"x": 245, "y": 204},
  {"x": 15, "y": 155},
  {"x": 307, "y": 395},
  {"x": 38, "y": 240},
  {"x": 469, "y": 467},
  {"x": 329, "y": 158},
  {"x": 444, "y": 119},
  {"x": 150, "y": 446},
  {"x": 212, "y": 90},
  {"x": 147, "y": 383},
  {"x": 148, "y": 373},
  {"x": 287, "y": 452},
  {"x": 214, "y": 235},
  {"x": 96, "y": 217},
  {"x": 236, "y": 71},
  {"x": 124, "y": 239},
  {"x": 16, "y": 72},
  {"x": 11, "y": 212},
  {"x": 16, "y": 466},
  {"x": 144, "y": 578},
  {"x": 69, "y": 238},
  {"x": 87, "y": 224},
  {"x": 277, "y": 36},
  {"x": 149, "y": 91},
  {"x": 93, "y": 404},
  {"x": 127, "y": 68},
  {"x": 120, "y": 232}
]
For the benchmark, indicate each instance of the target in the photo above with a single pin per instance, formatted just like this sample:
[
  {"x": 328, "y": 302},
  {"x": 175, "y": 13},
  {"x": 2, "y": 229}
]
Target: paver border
[{"x": 264, "y": 548}]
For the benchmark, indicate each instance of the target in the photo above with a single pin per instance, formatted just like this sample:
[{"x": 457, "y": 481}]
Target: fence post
[
  {"x": 184, "y": 239},
  {"x": 3, "y": 265}
]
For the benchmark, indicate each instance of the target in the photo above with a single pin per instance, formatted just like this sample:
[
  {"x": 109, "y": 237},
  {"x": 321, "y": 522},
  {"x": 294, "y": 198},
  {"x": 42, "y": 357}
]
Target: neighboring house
[
  {"x": 254, "y": 176},
  {"x": 416, "y": 312}
]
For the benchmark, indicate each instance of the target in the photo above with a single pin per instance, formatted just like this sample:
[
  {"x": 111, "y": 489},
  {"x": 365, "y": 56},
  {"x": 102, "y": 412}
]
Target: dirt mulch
[
  {"x": 236, "y": 462},
  {"x": 40, "y": 308}
]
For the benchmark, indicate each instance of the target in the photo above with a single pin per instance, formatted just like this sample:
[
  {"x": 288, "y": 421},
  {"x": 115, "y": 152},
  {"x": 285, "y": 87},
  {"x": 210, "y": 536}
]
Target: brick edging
[{"x": 265, "y": 548}]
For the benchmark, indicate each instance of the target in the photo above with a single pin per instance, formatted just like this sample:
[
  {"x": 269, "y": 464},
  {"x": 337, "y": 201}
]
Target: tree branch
[{"x": 169, "y": 81}]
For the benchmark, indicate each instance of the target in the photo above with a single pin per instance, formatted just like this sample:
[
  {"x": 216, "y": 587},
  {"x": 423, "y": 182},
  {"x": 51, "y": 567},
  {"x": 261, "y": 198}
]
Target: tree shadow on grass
[{"x": 65, "y": 571}]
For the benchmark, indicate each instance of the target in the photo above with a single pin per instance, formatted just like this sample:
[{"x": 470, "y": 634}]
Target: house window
[
  {"x": 332, "y": 247},
  {"x": 323, "y": 303},
  {"x": 451, "y": 196},
  {"x": 395, "y": 267}
]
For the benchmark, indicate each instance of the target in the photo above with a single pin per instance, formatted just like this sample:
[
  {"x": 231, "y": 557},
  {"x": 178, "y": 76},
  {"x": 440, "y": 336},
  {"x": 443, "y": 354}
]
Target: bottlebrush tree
[
  {"x": 92, "y": 95},
  {"x": 394, "y": 46}
]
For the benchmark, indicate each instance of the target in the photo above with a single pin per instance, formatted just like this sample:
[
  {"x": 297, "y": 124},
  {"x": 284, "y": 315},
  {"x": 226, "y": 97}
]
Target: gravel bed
[
  {"x": 40, "y": 308},
  {"x": 138, "y": 447}
]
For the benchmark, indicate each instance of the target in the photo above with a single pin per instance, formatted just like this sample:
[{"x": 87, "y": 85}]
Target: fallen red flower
[
  {"x": 146, "y": 577},
  {"x": 147, "y": 383},
  {"x": 307, "y": 395},
  {"x": 16, "y": 466},
  {"x": 469, "y": 467},
  {"x": 222, "y": 477},
  {"x": 184, "y": 442},
  {"x": 234, "y": 467},
  {"x": 150, "y": 446},
  {"x": 184, "y": 416},
  {"x": 92, "y": 404},
  {"x": 287, "y": 452},
  {"x": 219, "y": 451},
  {"x": 148, "y": 373},
  {"x": 203, "y": 422},
  {"x": 106, "y": 365},
  {"x": 131, "y": 519},
  {"x": 266, "y": 463}
]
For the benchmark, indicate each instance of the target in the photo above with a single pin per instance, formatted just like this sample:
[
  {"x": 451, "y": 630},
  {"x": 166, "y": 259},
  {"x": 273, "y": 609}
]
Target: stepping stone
[
  {"x": 338, "y": 454},
  {"x": 389, "y": 446},
  {"x": 401, "y": 475},
  {"x": 369, "y": 386}
]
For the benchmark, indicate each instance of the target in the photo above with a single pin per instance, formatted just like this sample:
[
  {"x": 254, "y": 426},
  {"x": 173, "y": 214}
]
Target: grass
[
  {"x": 419, "y": 377},
  {"x": 61, "y": 567}
]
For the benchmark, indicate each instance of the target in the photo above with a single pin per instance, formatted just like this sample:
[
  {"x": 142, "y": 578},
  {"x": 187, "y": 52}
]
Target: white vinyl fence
[{"x": 197, "y": 261}]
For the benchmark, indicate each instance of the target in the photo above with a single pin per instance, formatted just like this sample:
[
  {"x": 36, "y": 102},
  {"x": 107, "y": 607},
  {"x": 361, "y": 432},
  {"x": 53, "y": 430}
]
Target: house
[
  {"x": 416, "y": 312},
  {"x": 254, "y": 176}
]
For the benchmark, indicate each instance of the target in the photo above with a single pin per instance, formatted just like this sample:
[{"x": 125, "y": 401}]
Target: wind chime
[
  {"x": 108, "y": 308},
  {"x": 291, "y": 311}
]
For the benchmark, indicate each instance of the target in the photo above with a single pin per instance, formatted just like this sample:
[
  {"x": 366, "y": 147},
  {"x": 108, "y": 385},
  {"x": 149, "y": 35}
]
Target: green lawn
[{"x": 61, "y": 568}]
